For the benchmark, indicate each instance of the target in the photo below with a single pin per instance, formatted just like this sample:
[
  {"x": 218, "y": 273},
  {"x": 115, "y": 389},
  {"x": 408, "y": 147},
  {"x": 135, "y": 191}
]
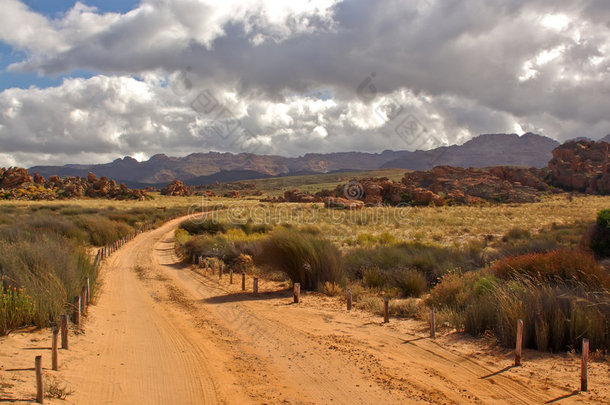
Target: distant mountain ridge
[{"x": 528, "y": 150}]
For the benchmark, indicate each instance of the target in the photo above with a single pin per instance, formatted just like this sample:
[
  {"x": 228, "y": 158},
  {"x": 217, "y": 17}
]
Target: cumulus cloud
[{"x": 297, "y": 77}]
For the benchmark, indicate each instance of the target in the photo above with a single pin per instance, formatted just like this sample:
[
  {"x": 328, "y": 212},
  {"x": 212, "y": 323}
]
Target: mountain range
[{"x": 528, "y": 150}]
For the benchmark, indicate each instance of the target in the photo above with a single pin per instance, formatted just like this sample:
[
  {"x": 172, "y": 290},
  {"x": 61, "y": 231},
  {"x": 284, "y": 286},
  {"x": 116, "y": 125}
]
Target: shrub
[
  {"x": 332, "y": 289},
  {"x": 16, "y": 308},
  {"x": 207, "y": 226},
  {"x": 557, "y": 265},
  {"x": 516, "y": 233},
  {"x": 432, "y": 261},
  {"x": 411, "y": 282},
  {"x": 101, "y": 230},
  {"x": 373, "y": 277},
  {"x": 597, "y": 237},
  {"x": 211, "y": 246},
  {"x": 306, "y": 259}
]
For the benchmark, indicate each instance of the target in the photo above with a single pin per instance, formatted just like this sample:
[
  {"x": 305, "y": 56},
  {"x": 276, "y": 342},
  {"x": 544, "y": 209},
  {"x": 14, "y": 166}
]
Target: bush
[
  {"x": 16, "y": 308},
  {"x": 597, "y": 237},
  {"x": 557, "y": 265},
  {"x": 306, "y": 259},
  {"x": 410, "y": 282},
  {"x": 207, "y": 226},
  {"x": 432, "y": 261},
  {"x": 516, "y": 234},
  {"x": 211, "y": 246},
  {"x": 101, "y": 230}
]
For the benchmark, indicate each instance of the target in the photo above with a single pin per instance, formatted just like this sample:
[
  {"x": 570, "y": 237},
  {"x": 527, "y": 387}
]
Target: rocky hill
[{"x": 528, "y": 150}]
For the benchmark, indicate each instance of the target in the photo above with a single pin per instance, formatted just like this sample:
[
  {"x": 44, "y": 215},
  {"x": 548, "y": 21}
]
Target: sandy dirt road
[{"x": 163, "y": 332}]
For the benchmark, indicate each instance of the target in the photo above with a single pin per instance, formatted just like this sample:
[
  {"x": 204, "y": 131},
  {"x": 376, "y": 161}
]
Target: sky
[{"x": 92, "y": 81}]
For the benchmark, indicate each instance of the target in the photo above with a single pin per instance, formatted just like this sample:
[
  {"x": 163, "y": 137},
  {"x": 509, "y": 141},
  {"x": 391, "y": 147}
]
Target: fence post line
[
  {"x": 255, "y": 285},
  {"x": 243, "y": 281},
  {"x": 349, "y": 299},
  {"x": 39, "y": 382},
  {"x": 519, "y": 344},
  {"x": 432, "y": 323},
  {"x": 386, "y": 309},
  {"x": 584, "y": 386},
  {"x": 64, "y": 331},
  {"x": 297, "y": 292},
  {"x": 54, "y": 348}
]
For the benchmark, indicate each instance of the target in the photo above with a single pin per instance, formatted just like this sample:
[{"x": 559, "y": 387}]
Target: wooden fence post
[
  {"x": 64, "y": 331},
  {"x": 583, "y": 372},
  {"x": 54, "y": 348},
  {"x": 39, "y": 382},
  {"x": 349, "y": 299},
  {"x": 519, "y": 345},
  {"x": 243, "y": 281},
  {"x": 220, "y": 270},
  {"x": 386, "y": 310},
  {"x": 83, "y": 300},
  {"x": 255, "y": 285},
  {"x": 297, "y": 292},
  {"x": 230, "y": 276},
  {"x": 87, "y": 286},
  {"x": 432, "y": 323},
  {"x": 77, "y": 311}
]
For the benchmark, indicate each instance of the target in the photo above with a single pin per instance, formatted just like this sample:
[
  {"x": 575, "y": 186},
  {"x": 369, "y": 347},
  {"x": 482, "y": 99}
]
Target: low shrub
[
  {"x": 558, "y": 265},
  {"x": 332, "y": 289},
  {"x": 16, "y": 308},
  {"x": 306, "y": 259},
  {"x": 516, "y": 234},
  {"x": 206, "y": 226},
  {"x": 410, "y": 282},
  {"x": 432, "y": 261},
  {"x": 101, "y": 230}
]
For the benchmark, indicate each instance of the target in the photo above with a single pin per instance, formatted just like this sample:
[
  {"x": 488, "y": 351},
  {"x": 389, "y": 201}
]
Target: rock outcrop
[
  {"x": 581, "y": 166},
  {"x": 176, "y": 188},
  {"x": 16, "y": 183}
]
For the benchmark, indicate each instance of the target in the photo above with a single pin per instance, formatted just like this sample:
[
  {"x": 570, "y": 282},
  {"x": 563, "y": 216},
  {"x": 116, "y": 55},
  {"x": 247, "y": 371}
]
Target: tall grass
[
  {"x": 306, "y": 258},
  {"x": 556, "y": 315},
  {"x": 49, "y": 267}
]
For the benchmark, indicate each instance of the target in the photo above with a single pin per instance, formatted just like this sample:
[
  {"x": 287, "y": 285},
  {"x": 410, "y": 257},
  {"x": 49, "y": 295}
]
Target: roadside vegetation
[
  {"x": 45, "y": 252},
  {"x": 545, "y": 270}
]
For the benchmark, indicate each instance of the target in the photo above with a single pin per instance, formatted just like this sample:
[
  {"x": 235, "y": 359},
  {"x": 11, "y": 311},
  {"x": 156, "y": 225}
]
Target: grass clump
[
  {"x": 558, "y": 265},
  {"x": 305, "y": 258}
]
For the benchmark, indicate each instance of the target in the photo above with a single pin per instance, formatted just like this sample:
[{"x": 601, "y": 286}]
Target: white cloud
[{"x": 290, "y": 73}]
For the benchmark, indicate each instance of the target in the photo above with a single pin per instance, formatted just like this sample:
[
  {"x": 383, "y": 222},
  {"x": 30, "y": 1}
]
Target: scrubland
[{"x": 483, "y": 268}]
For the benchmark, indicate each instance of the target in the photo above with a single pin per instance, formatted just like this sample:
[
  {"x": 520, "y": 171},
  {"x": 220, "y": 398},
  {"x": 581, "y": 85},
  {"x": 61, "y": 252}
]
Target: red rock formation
[
  {"x": 581, "y": 166},
  {"x": 16, "y": 183},
  {"x": 176, "y": 188}
]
